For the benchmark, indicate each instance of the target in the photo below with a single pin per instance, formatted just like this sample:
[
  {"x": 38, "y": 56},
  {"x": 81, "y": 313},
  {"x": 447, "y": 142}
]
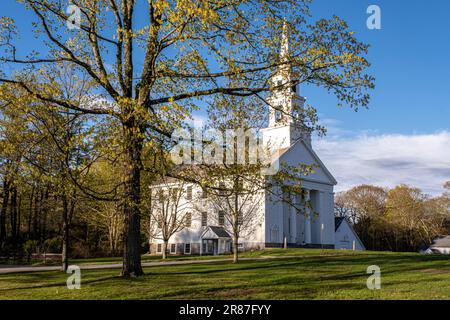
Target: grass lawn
[
  {"x": 314, "y": 274},
  {"x": 157, "y": 258}
]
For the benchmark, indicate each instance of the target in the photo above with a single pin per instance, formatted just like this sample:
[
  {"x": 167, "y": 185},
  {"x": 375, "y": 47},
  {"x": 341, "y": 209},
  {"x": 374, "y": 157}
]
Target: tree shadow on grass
[
  {"x": 59, "y": 284},
  {"x": 312, "y": 262},
  {"x": 229, "y": 267}
]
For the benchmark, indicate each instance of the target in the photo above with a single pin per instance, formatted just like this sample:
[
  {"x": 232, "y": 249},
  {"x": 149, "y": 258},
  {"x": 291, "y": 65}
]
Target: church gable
[{"x": 301, "y": 153}]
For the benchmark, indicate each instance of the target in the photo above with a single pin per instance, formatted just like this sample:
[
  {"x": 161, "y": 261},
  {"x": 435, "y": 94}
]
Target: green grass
[
  {"x": 157, "y": 258},
  {"x": 314, "y": 274}
]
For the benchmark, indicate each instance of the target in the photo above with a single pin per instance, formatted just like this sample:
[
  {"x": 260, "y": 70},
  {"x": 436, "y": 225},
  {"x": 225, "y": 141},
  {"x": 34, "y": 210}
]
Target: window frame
[
  {"x": 190, "y": 248},
  {"x": 278, "y": 116},
  {"x": 188, "y": 219},
  {"x": 222, "y": 192},
  {"x": 240, "y": 218},
  {"x": 173, "y": 245},
  {"x": 221, "y": 218},
  {"x": 189, "y": 193},
  {"x": 204, "y": 219}
]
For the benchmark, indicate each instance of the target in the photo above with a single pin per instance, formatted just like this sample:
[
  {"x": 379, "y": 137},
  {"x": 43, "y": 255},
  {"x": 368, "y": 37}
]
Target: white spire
[
  {"x": 285, "y": 102},
  {"x": 284, "y": 51},
  {"x": 283, "y": 72}
]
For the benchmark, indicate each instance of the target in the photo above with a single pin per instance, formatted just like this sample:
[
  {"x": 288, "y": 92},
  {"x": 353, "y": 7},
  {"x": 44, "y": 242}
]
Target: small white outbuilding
[
  {"x": 440, "y": 245},
  {"x": 345, "y": 235}
]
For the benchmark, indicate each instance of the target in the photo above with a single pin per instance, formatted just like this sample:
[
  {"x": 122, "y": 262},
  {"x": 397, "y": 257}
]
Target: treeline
[
  {"x": 399, "y": 219},
  {"x": 44, "y": 212},
  {"x": 60, "y": 184}
]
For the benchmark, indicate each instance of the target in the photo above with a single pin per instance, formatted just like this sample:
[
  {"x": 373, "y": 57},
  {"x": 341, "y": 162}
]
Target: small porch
[{"x": 215, "y": 240}]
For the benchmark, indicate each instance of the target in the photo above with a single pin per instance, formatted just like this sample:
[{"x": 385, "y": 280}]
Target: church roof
[
  {"x": 215, "y": 232},
  {"x": 337, "y": 222}
]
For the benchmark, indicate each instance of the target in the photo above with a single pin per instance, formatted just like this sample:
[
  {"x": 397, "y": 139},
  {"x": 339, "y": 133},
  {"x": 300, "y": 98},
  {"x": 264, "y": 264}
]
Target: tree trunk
[
  {"x": 43, "y": 213},
  {"x": 13, "y": 211},
  {"x": 150, "y": 224},
  {"x": 236, "y": 222},
  {"x": 37, "y": 213},
  {"x": 164, "y": 251},
  {"x": 19, "y": 206},
  {"x": 65, "y": 229},
  {"x": 30, "y": 216},
  {"x": 132, "y": 192},
  {"x": 3, "y": 212},
  {"x": 235, "y": 249}
]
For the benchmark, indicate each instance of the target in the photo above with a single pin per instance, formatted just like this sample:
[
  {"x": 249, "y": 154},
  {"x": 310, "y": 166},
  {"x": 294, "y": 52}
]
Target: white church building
[{"x": 278, "y": 224}]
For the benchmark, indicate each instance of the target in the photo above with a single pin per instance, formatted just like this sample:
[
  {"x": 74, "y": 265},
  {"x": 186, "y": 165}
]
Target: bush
[
  {"x": 53, "y": 245},
  {"x": 29, "y": 247},
  {"x": 80, "y": 250}
]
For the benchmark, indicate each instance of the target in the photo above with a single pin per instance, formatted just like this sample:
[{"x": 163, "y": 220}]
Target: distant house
[
  {"x": 345, "y": 235},
  {"x": 440, "y": 245}
]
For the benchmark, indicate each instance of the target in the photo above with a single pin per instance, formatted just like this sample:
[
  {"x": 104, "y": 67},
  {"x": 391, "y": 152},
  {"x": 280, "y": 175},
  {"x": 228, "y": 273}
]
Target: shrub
[{"x": 53, "y": 245}]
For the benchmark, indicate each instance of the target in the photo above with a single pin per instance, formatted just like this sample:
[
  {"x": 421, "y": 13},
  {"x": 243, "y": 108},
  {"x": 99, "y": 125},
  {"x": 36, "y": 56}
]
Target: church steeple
[
  {"x": 284, "y": 51},
  {"x": 283, "y": 74},
  {"x": 285, "y": 100}
]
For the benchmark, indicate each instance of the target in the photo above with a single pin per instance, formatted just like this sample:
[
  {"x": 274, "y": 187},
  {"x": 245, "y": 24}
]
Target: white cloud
[
  {"x": 387, "y": 160},
  {"x": 198, "y": 120}
]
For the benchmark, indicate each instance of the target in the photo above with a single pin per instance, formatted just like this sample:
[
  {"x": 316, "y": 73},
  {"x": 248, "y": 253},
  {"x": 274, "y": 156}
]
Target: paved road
[{"x": 4, "y": 269}]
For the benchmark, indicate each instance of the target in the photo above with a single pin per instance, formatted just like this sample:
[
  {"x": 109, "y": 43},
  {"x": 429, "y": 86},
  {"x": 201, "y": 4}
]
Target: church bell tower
[{"x": 285, "y": 128}]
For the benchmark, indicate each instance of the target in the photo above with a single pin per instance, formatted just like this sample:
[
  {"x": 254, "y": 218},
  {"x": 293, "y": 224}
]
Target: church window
[
  {"x": 240, "y": 218},
  {"x": 189, "y": 193},
  {"x": 221, "y": 218},
  {"x": 204, "y": 194},
  {"x": 188, "y": 219},
  {"x": 204, "y": 219},
  {"x": 222, "y": 191},
  {"x": 278, "y": 115},
  {"x": 187, "y": 248}
]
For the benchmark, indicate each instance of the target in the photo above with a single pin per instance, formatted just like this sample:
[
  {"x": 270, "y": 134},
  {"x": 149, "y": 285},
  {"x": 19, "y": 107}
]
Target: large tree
[{"x": 150, "y": 63}]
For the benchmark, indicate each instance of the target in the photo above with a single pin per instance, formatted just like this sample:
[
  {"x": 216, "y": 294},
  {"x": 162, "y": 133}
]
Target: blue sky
[
  {"x": 404, "y": 135},
  {"x": 410, "y": 59}
]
